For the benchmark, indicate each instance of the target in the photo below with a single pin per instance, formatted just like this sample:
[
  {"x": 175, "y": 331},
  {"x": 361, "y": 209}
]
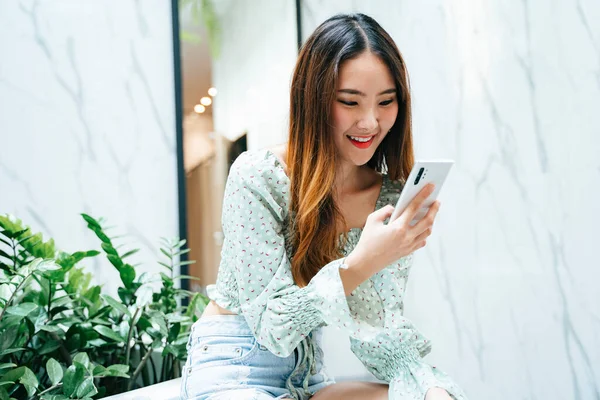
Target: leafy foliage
[{"x": 62, "y": 338}]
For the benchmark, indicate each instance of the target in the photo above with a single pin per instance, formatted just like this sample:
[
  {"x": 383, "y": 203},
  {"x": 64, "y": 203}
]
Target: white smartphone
[{"x": 422, "y": 173}]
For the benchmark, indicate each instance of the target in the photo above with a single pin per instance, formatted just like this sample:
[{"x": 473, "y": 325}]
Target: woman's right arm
[
  {"x": 381, "y": 244},
  {"x": 254, "y": 260}
]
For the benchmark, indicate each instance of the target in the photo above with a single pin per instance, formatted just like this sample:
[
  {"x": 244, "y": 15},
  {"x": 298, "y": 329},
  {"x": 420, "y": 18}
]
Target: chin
[{"x": 361, "y": 159}]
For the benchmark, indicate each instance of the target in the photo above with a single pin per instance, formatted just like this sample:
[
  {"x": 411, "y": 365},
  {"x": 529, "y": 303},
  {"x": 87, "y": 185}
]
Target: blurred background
[{"x": 134, "y": 110}]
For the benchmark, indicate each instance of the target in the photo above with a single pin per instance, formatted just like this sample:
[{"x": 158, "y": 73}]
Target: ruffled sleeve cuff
[
  {"x": 412, "y": 381},
  {"x": 215, "y": 295},
  {"x": 392, "y": 353}
]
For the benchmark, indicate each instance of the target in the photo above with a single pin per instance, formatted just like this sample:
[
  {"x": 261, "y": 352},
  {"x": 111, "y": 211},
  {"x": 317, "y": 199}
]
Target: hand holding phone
[
  {"x": 381, "y": 244},
  {"x": 422, "y": 173}
]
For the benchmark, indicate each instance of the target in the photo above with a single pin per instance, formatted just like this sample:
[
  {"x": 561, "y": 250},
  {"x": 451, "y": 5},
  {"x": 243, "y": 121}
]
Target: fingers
[
  {"x": 428, "y": 220},
  {"x": 415, "y": 205},
  {"x": 382, "y": 214},
  {"x": 421, "y": 240}
]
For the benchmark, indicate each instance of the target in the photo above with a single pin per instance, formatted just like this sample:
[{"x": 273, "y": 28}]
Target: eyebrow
[{"x": 358, "y": 92}]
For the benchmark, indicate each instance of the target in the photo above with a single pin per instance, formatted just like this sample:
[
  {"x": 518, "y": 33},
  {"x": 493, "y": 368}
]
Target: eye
[
  {"x": 348, "y": 103},
  {"x": 386, "y": 102}
]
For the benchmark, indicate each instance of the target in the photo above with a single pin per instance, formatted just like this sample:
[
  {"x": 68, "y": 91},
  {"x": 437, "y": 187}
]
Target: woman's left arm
[{"x": 394, "y": 353}]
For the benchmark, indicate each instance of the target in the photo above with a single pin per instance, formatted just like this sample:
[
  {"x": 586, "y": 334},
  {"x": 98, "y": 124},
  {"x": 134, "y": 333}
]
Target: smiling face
[{"x": 364, "y": 109}]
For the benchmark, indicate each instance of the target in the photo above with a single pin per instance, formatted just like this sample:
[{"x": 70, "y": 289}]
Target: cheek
[
  {"x": 389, "y": 115},
  {"x": 342, "y": 118}
]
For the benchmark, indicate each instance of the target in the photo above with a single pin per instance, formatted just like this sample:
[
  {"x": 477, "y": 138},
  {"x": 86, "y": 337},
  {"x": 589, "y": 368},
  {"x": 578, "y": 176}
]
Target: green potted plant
[{"x": 62, "y": 338}]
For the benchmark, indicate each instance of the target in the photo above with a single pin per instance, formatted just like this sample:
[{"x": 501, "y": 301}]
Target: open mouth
[{"x": 362, "y": 142}]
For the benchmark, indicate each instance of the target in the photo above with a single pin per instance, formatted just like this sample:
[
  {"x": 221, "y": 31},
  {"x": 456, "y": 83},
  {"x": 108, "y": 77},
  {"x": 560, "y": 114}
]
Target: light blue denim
[{"x": 225, "y": 361}]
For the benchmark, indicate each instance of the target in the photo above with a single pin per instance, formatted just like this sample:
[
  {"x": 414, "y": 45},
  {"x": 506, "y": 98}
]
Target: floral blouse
[{"x": 255, "y": 280}]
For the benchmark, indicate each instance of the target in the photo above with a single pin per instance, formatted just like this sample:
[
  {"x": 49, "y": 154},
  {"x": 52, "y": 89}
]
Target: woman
[{"x": 306, "y": 243}]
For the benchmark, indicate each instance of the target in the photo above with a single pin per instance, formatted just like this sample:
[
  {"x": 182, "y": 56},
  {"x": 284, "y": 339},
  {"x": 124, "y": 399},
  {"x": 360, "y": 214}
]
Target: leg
[
  {"x": 241, "y": 394},
  {"x": 353, "y": 391}
]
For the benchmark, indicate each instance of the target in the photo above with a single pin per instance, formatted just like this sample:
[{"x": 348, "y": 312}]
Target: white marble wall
[
  {"x": 507, "y": 287},
  {"x": 87, "y": 122}
]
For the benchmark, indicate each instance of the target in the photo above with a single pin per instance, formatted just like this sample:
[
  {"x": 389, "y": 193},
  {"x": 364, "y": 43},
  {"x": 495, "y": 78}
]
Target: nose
[{"x": 367, "y": 122}]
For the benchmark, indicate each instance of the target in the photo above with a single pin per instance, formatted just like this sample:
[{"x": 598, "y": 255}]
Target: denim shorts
[{"x": 226, "y": 362}]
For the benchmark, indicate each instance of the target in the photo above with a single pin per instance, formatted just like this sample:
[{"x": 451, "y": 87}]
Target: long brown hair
[{"x": 311, "y": 152}]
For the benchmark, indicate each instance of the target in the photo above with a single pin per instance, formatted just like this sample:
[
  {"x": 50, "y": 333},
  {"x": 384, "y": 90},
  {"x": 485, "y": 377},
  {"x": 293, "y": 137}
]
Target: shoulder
[
  {"x": 258, "y": 173},
  {"x": 260, "y": 164},
  {"x": 258, "y": 168}
]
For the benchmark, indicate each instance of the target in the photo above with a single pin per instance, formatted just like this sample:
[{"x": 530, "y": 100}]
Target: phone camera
[{"x": 418, "y": 178}]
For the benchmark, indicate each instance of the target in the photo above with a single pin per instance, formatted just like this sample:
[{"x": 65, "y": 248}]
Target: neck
[{"x": 348, "y": 178}]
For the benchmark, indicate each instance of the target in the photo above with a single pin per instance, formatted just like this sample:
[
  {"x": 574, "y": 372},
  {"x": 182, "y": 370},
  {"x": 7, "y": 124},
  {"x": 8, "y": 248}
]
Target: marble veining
[{"x": 87, "y": 122}]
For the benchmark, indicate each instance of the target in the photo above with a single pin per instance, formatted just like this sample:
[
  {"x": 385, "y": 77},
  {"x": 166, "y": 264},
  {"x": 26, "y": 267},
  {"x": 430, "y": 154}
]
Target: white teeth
[{"x": 363, "y": 140}]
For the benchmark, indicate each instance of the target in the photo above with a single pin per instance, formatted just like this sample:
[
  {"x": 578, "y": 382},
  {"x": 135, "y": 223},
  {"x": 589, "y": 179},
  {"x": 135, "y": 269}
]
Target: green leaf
[
  {"x": 98, "y": 371},
  {"x": 126, "y": 295},
  {"x": 108, "y": 333},
  {"x": 143, "y": 323},
  {"x": 56, "y": 310},
  {"x": 54, "y": 397},
  {"x": 116, "y": 261},
  {"x": 101, "y": 235},
  {"x": 73, "y": 378},
  {"x": 75, "y": 342},
  {"x": 91, "y": 221},
  {"x": 54, "y": 370},
  {"x": 144, "y": 296},
  {"x": 8, "y": 337},
  {"x": 22, "y": 310},
  {"x": 116, "y": 304},
  {"x": 5, "y": 241},
  {"x": 119, "y": 368},
  {"x": 165, "y": 265},
  {"x": 109, "y": 249},
  {"x": 124, "y": 329},
  {"x": 7, "y": 365},
  {"x": 45, "y": 265},
  {"x": 80, "y": 255},
  {"x": 30, "y": 381},
  {"x": 14, "y": 350},
  {"x": 3, "y": 394},
  {"x": 83, "y": 359},
  {"x": 76, "y": 277},
  {"x": 5, "y": 255},
  {"x": 166, "y": 253},
  {"x": 127, "y": 275},
  {"x": 86, "y": 388},
  {"x": 93, "y": 294},
  {"x": 182, "y": 252},
  {"x": 51, "y": 328},
  {"x": 176, "y": 317},
  {"x": 49, "y": 347},
  {"x": 173, "y": 332},
  {"x": 13, "y": 375},
  {"x": 129, "y": 253}
]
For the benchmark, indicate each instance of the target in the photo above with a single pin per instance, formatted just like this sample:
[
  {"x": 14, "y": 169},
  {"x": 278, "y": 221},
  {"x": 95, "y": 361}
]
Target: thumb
[{"x": 383, "y": 213}]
